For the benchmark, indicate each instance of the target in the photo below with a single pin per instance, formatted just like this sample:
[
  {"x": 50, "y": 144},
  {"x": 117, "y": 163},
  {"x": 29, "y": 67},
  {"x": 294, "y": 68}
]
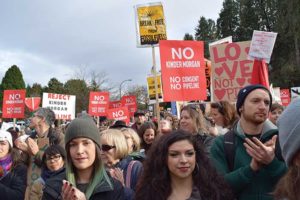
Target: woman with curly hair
[{"x": 178, "y": 168}]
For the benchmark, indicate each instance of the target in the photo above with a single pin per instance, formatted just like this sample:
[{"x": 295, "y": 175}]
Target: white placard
[
  {"x": 63, "y": 105},
  {"x": 262, "y": 45}
]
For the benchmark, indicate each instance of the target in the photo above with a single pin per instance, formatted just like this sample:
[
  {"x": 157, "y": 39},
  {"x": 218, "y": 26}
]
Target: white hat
[{"x": 6, "y": 136}]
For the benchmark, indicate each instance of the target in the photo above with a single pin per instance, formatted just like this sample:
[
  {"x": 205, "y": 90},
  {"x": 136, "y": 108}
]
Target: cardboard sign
[
  {"x": 151, "y": 87},
  {"x": 231, "y": 70},
  {"x": 262, "y": 45},
  {"x": 13, "y": 103},
  {"x": 183, "y": 70},
  {"x": 115, "y": 104},
  {"x": 32, "y": 103},
  {"x": 63, "y": 105},
  {"x": 130, "y": 103},
  {"x": 119, "y": 114},
  {"x": 285, "y": 97},
  {"x": 98, "y": 103},
  {"x": 150, "y": 24}
]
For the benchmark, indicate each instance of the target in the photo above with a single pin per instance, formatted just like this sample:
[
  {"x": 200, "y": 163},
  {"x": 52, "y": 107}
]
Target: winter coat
[
  {"x": 246, "y": 183},
  {"x": 52, "y": 190},
  {"x": 13, "y": 184}
]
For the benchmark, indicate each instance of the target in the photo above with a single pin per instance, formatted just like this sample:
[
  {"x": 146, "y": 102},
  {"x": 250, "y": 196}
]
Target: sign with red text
[
  {"x": 183, "y": 70},
  {"x": 231, "y": 70},
  {"x": 115, "y": 104},
  {"x": 130, "y": 103},
  {"x": 121, "y": 113},
  {"x": 63, "y": 105},
  {"x": 285, "y": 97},
  {"x": 32, "y": 103},
  {"x": 262, "y": 45},
  {"x": 98, "y": 103},
  {"x": 13, "y": 103}
]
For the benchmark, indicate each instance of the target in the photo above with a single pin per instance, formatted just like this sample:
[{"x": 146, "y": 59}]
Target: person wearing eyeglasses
[
  {"x": 192, "y": 121},
  {"x": 178, "y": 168},
  {"x": 115, "y": 155},
  {"x": 85, "y": 177},
  {"x": 223, "y": 116},
  {"x": 53, "y": 165}
]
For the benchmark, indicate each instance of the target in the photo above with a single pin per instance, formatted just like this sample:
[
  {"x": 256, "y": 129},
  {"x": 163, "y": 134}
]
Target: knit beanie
[
  {"x": 82, "y": 127},
  {"x": 289, "y": 130},
  {"x": 6, "y": 136},
  {"x": 243, "y": 93}
]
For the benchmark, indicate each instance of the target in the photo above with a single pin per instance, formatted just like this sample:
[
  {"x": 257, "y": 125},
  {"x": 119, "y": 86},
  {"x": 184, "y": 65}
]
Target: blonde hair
[
  {"x": 135, "y": 138},
  {"x": 116, "y": 137}
]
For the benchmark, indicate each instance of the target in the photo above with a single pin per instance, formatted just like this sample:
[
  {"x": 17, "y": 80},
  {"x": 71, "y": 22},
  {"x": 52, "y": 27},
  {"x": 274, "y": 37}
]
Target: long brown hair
[
  {"x": 197, "y": 117},
  {"x": 227, "y": 110}
]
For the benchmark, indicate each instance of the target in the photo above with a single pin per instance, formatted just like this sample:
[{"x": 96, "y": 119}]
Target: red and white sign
[
  {"x": 183, "y": 70},
  {"x": 98, "y": 103},
  {"x": 63, "y": 105},
  {"x": 32, "y": 103},
  {"x": 130, "y": 103},
  {"x": 115, "y": 104},
  {"x": 119, "y": 114},
  {"x": 13, "y": 103},
  {"x": 231, "y": 70},
  {"x": 285, "y": 96}
]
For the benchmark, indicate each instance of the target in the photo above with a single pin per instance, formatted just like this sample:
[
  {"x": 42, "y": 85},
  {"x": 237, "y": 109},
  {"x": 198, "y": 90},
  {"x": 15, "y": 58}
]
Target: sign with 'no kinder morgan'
[
  {"x": 183, "y": 70},
  {"x": 120, "y": 113},
  {"x": 63, "y": 105},
  {"x": 13, "y": 104},
  {"x": 98, "y": 103}
]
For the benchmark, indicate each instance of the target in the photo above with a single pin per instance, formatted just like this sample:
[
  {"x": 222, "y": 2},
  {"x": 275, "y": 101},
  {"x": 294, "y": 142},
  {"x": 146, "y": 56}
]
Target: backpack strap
[
  {"x": 128, "y": 173},
  {"x": 229, "y": 149}
]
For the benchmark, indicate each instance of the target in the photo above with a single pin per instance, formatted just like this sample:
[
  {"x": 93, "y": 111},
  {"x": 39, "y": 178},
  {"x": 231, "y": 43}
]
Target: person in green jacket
[{"x": 258, "y": 164}]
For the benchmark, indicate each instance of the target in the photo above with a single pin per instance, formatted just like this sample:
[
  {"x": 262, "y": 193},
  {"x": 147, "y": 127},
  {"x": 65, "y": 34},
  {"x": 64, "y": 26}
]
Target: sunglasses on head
[{"x": 106, "y": 147}]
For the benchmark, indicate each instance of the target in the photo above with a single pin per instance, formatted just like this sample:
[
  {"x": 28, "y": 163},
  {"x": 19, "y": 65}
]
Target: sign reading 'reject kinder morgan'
[{"x": 63, "y": 105}]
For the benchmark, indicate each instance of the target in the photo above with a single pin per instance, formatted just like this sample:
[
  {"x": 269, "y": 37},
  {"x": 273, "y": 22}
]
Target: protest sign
[
  {"x": 13, "y": 104},
  {"x": 151, "y": 87},
  {"x": 183, "y": 70},
  {"x": 32, "y": 103},
  {"x": 150, "y": 24},
  {"x": 98, "y": 103},
  {"x": 231, "y": 70},
  {"x": 119, "y": 114},
  {"x": 262, "y": 45},
  {"x": 285, "y": 96},
  {"x": 130, "y": 103},
  {"x": 115, "y": 104},
  {"x": 63, "y": 105}
]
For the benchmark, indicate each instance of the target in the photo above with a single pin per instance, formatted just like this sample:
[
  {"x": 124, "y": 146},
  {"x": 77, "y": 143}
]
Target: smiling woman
[{"x": 85, "y": 176}]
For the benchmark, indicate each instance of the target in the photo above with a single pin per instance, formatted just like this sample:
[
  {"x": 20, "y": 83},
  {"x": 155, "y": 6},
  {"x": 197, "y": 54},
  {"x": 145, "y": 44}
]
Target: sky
[{"x": 63, "y": 38}]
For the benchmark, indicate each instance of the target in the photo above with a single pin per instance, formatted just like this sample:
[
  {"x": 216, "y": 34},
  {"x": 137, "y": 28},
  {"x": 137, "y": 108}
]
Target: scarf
[
  {"x": 5, "y": 165},
  {"x": 46, "y": 173}
]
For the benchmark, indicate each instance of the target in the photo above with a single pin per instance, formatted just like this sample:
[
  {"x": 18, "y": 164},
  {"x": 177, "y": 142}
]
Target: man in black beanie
[{"x": 248, "y": 155}]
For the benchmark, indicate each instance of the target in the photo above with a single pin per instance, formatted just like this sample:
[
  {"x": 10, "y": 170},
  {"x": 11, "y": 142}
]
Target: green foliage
[
  {"x": 35, "y": 91},
  {"x": 55, "y": 86},
  {"x": 188, "y": 36},
  {"x": 79, "y": 88}
]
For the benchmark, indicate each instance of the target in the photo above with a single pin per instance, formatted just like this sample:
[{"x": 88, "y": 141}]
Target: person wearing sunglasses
[
  {"x": 192, "y": 121},
  {"x": 85, "y": 177},
  {"x": 115, "y": 155},
  {"x": 53, "y": 165}
]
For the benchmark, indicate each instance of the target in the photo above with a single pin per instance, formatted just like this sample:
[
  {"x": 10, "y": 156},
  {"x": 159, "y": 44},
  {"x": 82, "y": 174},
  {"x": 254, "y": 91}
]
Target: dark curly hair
[{"x": 155, "y": 181}]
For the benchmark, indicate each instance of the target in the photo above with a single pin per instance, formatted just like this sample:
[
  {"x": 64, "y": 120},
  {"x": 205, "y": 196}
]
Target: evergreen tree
[
  {"x": 55, "y": 86},
  {"x": 188, "y": 36}
]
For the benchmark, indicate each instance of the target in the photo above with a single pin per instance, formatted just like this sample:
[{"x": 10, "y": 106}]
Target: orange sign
[{"x": 183, "y": 70}]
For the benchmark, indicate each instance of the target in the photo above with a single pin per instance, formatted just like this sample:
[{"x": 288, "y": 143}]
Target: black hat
[
  {"x": 243, "y": 93},
  {"x": 119, "y": 124},
  {"x": 139, "y": 113}
]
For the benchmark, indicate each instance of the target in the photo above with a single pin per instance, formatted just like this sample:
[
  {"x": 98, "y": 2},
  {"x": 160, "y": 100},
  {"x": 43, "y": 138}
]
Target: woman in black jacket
[
  {"x": 12, "y": 171},
  {"x": 85, "y": 176}
]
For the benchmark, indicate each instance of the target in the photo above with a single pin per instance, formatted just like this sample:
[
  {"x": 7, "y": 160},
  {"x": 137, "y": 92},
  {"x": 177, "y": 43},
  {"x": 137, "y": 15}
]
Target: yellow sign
[
  {"x": 151, "y": 86},
  {"x": 150, "y": 23}
]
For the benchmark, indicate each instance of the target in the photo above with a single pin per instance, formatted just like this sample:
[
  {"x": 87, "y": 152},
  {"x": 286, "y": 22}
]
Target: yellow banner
[
  {"x": 151, "y": 86},
  {"x": 151, "y": 25}
]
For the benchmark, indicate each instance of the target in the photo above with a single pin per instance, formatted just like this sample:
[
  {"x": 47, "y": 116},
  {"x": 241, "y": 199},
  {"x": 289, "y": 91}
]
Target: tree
[
  {"x": 35, "y": 91},
  {"x": 55, "y": 86},
  {"x": 80, "y": 89},
  {"x": 140, "y": 91},
  {"x": 188, "y": 36},
  {"x": 12, "y": 80},
  {"x": 205, "y": 31}
]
